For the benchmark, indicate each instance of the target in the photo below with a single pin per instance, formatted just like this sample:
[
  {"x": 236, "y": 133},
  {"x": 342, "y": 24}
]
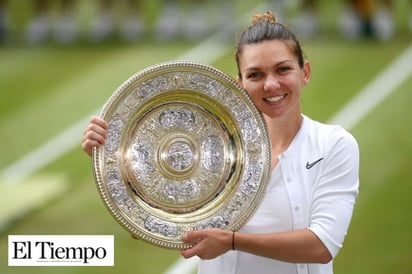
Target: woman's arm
[{"x": 299, "y": 246}]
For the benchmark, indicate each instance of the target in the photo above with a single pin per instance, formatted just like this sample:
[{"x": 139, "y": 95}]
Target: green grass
[
  {"x": 340, "y": 71},
  {"x": 46, "y": 89},
  {"x": 379, "y": 239}
]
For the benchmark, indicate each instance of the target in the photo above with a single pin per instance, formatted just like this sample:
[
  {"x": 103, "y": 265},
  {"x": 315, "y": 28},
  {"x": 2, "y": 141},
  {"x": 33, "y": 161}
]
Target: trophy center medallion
[{"x": 179, "y": 156}]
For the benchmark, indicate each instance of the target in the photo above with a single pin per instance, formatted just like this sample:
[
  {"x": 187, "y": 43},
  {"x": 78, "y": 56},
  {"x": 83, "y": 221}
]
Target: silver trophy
[{"x": 186, "y": 150}]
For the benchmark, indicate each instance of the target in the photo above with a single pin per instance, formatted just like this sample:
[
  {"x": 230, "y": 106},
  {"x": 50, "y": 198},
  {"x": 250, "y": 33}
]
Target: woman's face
[{"x": 272, "y": 77}]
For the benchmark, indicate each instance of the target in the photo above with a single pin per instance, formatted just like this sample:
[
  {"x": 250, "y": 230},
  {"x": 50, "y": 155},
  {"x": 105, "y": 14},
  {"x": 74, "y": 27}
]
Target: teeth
[{"x": 274, "y": 99}]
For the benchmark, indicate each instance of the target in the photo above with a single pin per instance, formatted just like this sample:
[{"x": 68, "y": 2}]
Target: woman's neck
[{"x": 281, "y": 133}]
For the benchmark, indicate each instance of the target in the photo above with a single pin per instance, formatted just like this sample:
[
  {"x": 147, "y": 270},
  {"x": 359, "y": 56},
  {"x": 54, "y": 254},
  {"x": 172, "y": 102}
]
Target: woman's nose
[{"x": 271, "y": 83}]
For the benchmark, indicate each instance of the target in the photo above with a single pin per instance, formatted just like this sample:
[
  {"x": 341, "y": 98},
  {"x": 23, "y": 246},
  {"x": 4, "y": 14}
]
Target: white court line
[
  {"x": 44, "y": 154},
  {"x": 376, "y": 91}
]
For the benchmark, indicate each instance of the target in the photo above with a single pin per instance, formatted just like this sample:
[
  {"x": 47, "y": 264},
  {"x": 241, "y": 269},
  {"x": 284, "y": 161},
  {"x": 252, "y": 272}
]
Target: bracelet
[{"x": 233, "y": 240}]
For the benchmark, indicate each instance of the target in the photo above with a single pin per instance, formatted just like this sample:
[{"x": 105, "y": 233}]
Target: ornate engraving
[
  {"x": 180, "y": 117},
  {"x": 213, "y": 151},
  {"x": 181, "y": 192},
  {"x": 161, "y": 227},
  {"x": 141, "y": 153},
  {"x": 113, "y": 134}
]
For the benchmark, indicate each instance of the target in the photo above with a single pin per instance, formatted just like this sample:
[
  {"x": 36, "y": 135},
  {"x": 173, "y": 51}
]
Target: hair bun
[{"x": 264, "y": 17}]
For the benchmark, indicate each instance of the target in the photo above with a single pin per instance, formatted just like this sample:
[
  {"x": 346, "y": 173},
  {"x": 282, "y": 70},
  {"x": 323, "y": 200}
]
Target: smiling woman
[
  {"x": 296, "y": 228},
  {"x": 272, "y": 70}
]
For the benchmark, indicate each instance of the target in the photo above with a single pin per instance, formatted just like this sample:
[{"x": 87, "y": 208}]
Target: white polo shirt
[{"x": 314, "y": 186}]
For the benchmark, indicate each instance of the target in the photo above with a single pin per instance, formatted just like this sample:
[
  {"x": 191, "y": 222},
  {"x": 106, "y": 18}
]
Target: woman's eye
[
  {"x": 283, "y": 69},
  {"x": 253, "y": 75}
]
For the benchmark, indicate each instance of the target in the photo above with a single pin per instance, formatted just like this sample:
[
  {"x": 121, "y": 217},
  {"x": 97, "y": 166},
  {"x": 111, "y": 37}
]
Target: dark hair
[{"x": 264, "y": 28}]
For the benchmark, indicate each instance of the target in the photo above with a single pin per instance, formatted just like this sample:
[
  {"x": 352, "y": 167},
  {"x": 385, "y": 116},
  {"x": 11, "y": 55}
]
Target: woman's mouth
[{"x": 275, "y": 98}]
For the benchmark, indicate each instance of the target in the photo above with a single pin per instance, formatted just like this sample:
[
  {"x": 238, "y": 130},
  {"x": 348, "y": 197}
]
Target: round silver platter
[{"x": 186, "y": 150}]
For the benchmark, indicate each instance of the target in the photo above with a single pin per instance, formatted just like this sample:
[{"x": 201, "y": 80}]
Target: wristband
[{"x": 233, "y": 240}]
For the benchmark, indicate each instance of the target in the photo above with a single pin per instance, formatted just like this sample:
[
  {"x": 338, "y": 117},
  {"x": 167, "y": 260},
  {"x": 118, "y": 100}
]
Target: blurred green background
[{"x": 49, "y": 88}]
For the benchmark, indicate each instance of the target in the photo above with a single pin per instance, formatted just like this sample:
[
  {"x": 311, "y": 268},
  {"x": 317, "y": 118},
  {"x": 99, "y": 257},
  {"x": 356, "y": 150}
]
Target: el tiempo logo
[{"x": 61, "y": 250}]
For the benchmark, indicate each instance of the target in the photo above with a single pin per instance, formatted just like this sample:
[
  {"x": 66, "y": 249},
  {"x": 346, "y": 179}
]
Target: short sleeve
[{"x": 336, "y": 191}]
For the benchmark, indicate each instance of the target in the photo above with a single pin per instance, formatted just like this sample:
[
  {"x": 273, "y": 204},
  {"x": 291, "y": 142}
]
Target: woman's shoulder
[{"x": 329, "y": 133}]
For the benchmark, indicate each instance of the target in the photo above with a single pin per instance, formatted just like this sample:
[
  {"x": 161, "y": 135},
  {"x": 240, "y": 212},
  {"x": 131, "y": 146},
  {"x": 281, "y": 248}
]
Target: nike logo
[{"x": 310, "y": 165}]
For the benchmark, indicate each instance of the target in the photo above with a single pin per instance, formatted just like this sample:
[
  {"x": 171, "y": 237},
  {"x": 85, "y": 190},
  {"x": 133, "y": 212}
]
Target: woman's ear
[{"x": 306, "y": 73}]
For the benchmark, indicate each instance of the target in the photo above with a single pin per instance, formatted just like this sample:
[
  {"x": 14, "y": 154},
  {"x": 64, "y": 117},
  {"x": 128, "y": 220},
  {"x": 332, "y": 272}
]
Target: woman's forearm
[{"x": 299, "y": 246}]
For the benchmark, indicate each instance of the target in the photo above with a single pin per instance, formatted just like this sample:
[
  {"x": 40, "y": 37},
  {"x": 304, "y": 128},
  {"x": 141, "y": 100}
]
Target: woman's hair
[{"x": 265, "y": 27}]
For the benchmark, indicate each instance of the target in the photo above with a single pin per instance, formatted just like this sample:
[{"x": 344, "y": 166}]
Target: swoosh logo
[{"x": 310, "y": 165}]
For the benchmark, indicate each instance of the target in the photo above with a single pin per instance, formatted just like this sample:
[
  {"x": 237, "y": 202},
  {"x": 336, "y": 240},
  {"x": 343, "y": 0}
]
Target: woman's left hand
[{"x": 207, "y": 244}]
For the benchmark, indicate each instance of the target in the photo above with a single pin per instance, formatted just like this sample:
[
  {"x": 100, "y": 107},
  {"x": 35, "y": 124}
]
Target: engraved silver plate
[{"x": 186, "y": 149}]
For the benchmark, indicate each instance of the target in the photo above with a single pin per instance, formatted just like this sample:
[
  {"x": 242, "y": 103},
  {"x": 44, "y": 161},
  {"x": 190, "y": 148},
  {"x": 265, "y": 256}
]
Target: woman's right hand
[{"x": 94, "y": 134}]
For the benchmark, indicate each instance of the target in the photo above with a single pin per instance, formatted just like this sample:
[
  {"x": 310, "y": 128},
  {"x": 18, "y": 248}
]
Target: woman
[{"x": 302, "y": 221}]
